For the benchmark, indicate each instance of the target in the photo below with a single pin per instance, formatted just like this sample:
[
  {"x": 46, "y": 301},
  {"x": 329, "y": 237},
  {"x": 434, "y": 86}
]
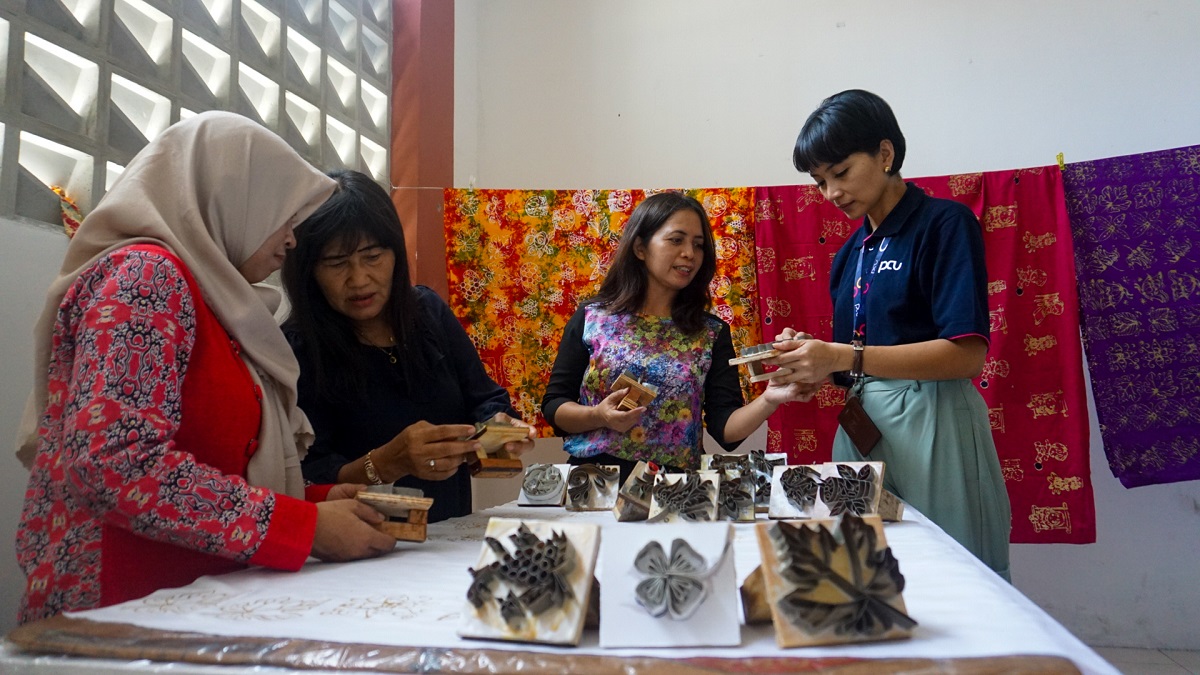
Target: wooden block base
[
  {"x": 496, "y": 467},
  {"x": 591, "y": 619},
  {"x": 639, "y": 394},
  {"x": 756, "y": 607},
  {"x": 754, "y": 358},
  {"x": 402, "y": 530},
  {"x": 407, "y": 516},
  {"x": 764, "y": 376},
  {"x": 891, "y": 509},
  {"x": 629, "y": 509}
]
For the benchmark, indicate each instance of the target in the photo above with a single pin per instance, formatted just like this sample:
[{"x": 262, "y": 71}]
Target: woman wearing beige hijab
[{"x": 163, "y": 430}]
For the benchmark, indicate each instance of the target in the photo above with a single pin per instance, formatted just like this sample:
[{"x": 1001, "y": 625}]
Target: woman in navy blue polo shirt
[{"x": 910, "y": 326}]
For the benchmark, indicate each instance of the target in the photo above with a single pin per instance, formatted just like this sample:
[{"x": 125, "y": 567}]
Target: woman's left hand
[{"x": 516, "y": 448}]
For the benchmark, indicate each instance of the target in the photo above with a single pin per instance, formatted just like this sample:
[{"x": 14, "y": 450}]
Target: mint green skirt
[{"x": 940, "y": 458}]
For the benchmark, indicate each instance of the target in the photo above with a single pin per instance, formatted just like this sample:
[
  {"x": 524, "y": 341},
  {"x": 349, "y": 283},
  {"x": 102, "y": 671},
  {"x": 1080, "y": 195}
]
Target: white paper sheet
[{"x": 625, "y": 623}]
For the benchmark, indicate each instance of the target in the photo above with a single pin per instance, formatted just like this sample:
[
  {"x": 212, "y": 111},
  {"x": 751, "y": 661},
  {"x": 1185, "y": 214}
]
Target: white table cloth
[{"x": 415, "y": 595}]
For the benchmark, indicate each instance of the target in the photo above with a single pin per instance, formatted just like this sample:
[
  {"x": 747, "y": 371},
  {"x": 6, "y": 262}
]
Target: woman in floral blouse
[
  {"x": 163, "y": 433},
  {"x": 650, "y": 320}
]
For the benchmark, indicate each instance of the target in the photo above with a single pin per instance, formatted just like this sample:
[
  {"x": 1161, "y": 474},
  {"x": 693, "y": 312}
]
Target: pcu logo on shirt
[{"x": 890, "y": 265}]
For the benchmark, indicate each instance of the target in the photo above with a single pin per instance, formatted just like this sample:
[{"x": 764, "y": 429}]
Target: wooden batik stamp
[
  {"x": 492, "y": 460},
  {"x": 827, "y": 581},
  {"x": 639, "y": 394},
  {"x": 407, "y": 516}
]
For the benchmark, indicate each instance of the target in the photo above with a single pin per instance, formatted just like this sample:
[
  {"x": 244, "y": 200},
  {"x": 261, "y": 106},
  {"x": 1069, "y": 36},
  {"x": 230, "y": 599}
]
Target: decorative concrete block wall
[{"x": 85, "y": 84}]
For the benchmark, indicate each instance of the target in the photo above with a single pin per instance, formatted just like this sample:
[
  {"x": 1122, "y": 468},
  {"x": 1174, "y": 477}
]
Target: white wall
[
  {"x": 689, "y": 93},
  {"x": 29, "y": 261}
]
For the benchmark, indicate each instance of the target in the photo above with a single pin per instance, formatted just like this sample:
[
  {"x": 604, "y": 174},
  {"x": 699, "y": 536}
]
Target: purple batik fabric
[{"x": 1136, "y": 221}]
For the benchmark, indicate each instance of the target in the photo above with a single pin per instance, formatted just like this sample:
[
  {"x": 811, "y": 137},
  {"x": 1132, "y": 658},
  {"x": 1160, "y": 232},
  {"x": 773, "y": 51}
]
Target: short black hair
[{"x": 845, "y": 123}]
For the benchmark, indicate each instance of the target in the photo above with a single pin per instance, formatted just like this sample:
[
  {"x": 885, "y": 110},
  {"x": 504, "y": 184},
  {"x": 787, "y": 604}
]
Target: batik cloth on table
[
  {"x": 1135, "y": 220},
  {"x": 520, "y": 262},
  {"x": 1032, "y": 379}
]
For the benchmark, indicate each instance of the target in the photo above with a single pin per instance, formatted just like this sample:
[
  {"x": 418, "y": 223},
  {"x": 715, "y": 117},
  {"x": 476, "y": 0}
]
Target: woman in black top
[{"x": 388, "y": 377}]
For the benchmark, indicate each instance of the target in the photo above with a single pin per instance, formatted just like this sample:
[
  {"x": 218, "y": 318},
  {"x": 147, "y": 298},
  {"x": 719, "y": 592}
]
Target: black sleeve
[
  {"x": 482, "y": 395},
  {"x": 722, "y": 390},
  {"x": 566, "y": 377},
  {"x": 322, "y": 463}
]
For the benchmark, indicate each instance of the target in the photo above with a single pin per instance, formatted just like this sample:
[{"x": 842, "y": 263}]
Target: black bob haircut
[{"x": 845, "y": 123}]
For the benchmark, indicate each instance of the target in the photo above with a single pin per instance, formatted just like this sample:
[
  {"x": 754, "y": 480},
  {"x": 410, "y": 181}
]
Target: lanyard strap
[{"x": 861, "y": 286}]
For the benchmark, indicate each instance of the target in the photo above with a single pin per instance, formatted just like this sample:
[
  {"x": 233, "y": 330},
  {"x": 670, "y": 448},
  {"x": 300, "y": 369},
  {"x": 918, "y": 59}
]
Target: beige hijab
[{"x": 210, "y": 189}]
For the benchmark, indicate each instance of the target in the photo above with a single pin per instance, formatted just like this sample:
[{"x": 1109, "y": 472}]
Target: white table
[{"x": 415, "y": 595}]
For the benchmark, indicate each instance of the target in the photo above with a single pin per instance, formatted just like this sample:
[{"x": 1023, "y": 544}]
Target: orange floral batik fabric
[{"x": 520, "y": 262}]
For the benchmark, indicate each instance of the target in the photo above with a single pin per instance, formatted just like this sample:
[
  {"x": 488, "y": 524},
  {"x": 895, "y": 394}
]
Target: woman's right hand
[
  {"x": 424, "y": 450},
  {"x": 345, "y": 532},
  {"x": 609, "y": 416},
  {"x": 804, "y": 359}
]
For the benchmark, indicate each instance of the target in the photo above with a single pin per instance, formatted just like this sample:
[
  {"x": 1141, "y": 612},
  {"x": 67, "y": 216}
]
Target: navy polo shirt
[{"x": 931, "y": 280}]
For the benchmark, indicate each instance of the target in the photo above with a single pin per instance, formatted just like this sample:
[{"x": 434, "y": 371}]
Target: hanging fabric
[{"x": 1135, "y": 220}]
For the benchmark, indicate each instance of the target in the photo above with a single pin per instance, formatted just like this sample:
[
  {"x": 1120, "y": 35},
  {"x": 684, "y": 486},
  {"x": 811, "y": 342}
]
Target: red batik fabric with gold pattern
[
  {"x": 520, "y": 262},
  {"x": 1032, "y": 379}
]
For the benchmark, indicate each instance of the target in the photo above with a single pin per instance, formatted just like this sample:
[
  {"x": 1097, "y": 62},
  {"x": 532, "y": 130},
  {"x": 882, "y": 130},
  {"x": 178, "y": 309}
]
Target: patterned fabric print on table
[
  {"x": 653, "y": 350},
  {"x": 224, "y": 606},
  {"x": 1135, "y": 220},
  {"x": 521, "y": 261},
  {"x": 1032, "y": 378}
]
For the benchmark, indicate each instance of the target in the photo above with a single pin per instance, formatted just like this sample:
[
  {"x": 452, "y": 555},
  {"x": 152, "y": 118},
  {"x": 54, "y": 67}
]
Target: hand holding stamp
[
  {"x": 753, "y": 357},
  {"x": 492, "y": 460},
  {"x": 640, "y": 393}
]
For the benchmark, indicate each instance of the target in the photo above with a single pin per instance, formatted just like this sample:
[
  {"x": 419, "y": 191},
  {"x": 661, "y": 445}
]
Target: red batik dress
[{"x": 139, "y": 480}]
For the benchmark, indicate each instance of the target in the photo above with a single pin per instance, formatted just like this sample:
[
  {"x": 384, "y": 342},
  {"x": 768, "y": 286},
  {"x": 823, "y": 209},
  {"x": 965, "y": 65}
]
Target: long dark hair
[
  {"x": 359, "y": 211},
  {"x": 845, "y": 123},
  {"x": 624, "y": 288}
]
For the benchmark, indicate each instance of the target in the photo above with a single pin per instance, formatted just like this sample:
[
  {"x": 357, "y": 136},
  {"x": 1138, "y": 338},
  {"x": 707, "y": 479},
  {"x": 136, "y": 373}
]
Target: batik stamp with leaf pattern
[
  {"x": 592, "y": 487},
  {"x": 685, "y": 497},
  {"x": 828, "y": 581},
  {"x": 824, "y": 490}
]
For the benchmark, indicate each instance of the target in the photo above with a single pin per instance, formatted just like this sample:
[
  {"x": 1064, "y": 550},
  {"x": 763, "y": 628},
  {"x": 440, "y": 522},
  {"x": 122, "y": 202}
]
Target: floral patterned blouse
[{"x": 692, "y": 373}]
